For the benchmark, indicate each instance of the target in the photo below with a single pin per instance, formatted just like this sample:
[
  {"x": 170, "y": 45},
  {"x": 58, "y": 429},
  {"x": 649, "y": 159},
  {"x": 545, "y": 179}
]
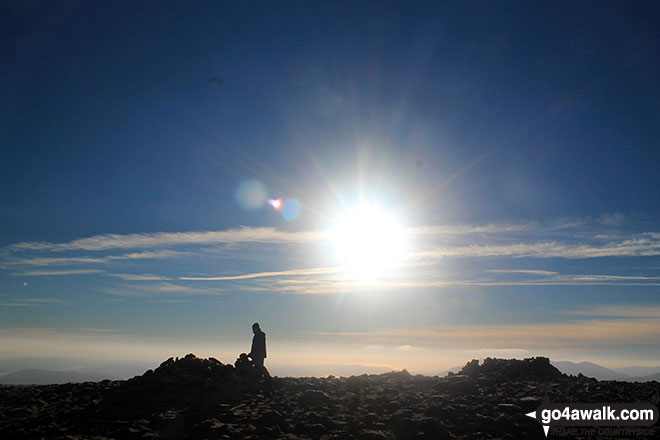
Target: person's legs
[{"x": 261, "y": 368}]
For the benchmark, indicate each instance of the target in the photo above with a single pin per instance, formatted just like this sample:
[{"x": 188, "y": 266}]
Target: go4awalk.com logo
[{"x": 623, "y": 415}]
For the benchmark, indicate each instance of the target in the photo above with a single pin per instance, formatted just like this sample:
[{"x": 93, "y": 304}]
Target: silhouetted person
[
  {"x": 258, "y": 350},
  {"x": 245, "y": 367}
]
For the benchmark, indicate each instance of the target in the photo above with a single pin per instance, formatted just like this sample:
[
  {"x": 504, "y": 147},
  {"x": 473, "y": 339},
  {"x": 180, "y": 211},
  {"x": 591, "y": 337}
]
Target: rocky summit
[{"x": 193, "y": 398}]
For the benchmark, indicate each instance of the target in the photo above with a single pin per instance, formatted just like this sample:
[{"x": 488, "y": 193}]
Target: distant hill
[
  {"x": 33, "y": 376},
  {"x": 117, "y": 368},
  {"x": 599, "y": 372},
  {"x": 638, "y": 371},
  {"x": 648, "y": 378},
  {"x": 43, "y": 363},
  {"x": 589, "y": 369}
]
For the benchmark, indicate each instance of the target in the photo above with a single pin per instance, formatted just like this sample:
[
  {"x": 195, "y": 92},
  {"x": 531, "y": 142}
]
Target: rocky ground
[{"x": 192, "y": 398}]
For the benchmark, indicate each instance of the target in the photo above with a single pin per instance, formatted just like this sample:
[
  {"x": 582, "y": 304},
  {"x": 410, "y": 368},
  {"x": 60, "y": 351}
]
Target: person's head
[{"x": 255, "y": 327}]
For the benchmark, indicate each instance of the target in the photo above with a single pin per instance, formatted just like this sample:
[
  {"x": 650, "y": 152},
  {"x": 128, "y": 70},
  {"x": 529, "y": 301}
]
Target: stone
[
  {"x": 198, "y": 398},
  {"x": 271, "y": 418},
  {"x": 313, "y": 397}
]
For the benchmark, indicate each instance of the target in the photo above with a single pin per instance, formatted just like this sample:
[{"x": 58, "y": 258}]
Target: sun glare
[{"x": 368, "y": 241}]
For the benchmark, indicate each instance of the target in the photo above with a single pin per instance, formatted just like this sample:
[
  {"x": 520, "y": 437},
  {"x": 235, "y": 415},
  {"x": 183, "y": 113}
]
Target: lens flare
[
  {"x": 290, "y": 209},
  {"x": 250, "y": 194}
]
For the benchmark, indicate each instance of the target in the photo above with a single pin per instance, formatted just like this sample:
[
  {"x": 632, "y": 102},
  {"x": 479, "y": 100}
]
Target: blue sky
[{"x": 515, "y": 144}]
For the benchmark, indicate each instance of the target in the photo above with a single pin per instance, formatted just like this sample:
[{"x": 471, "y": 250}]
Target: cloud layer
[{"x": 174, "y": 262}]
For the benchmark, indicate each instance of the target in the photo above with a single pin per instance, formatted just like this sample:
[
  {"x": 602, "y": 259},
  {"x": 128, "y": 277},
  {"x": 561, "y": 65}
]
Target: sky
[{"x": 381, "y": 185}]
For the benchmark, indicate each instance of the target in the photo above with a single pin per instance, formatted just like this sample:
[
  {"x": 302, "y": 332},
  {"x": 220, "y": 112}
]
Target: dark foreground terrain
[{"x": 193, "y": 398}]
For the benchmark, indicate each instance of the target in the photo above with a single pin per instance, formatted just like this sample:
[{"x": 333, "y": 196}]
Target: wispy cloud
[
  {"x": 67, "y": 261},
  {"x": 99, "y": 330},
  {"x": 619, "y": 311},
  {"x": 36, "y": 273},
  {"x": 580, "y": 333},
  {"x": 301, "y": 283},
  {"x": 145, "y": 277},
  {"x": 435, "y": 230},
  {"x": 647, "y": 244},
  {"x": 567, "y": 239},
  {"x": 292, "y": 272},
  {"x": 243, "y": 234},
  {"x": 523, "y": 271},
  {"x": 46, "y": 301},
  {"x": 640, "y": 243},
  {"x": 608, "y": 278},
  {"x": 161, "y": 239},
  {"x": 34, "y": 302},
  {"x": 146, "y": 290},
  {"x": 148, "y": 255},
  {"x": 55, "y": 261}
]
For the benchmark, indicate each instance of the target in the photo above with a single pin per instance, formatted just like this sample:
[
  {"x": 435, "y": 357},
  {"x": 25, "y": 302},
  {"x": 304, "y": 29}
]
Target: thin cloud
[
  {"x": 435, "y": 230},
  {"x": 56, "y": 261},
  {"x": 99, "y": 330},
  {"x": 66, "y": 261},
  {"x": 46, "y": 301},
  {"x": 131, "y": 277},
  {"x": 143, "y": 290},
  {"x": 161, "y": 239},
  {"x": 330, "y": 280},
  {"x": 37, "y": 273},
  {"x": 312, "y": 271},
  {"x": 619, "y": 311},
  {"x": 124, "y": 292},
  {"x": 647, "y": 244},
  {"x": 148, "y": 255},
  {"x": 341, "y": 333},
  {"x": 608, "y": 278},
  {"x": 523, "y": 271},
  {"x": 237, "y": 235},
  {"x": 167, "y": 287},
  {"x": 176, "y": 288},
  {"x": 581, "y": 333},
  {"x": 337, "y": 283}
]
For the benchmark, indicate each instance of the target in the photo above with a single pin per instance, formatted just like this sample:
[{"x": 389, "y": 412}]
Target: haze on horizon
[{"x": 380, "y": 185}]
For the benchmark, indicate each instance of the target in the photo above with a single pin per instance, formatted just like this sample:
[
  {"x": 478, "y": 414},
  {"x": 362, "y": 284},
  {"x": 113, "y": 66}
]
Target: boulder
[{"x": 313, "y": 397}]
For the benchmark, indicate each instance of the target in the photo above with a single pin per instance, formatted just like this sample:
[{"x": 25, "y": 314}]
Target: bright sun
[{"x": 368, "y": 241}]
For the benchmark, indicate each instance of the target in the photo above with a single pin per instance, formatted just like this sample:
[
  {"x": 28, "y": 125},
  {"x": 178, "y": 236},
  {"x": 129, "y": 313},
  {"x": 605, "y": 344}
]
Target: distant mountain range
[
  {"x": 44, "y": 370},
  {"x": 589, "y": 369},
  {"x": 40, "y": 371},
  {"x": 34, "y": 376}
]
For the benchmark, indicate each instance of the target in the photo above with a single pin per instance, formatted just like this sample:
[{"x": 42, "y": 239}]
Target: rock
[
  {"x": 537, "y": 367},
  {"x": 459, "y": 384},
  {"x": 402, "y": 375},
  {"x": 271, "y": 418},
  {"x": 368, "y": 434},
  {"x": 510, "y": 408},
  {"x": 313, "y": 397},
  {"x": 315, "y": 429},
  {"x": 356, "y": 383},
  {"x": 198, "y": 398}
]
